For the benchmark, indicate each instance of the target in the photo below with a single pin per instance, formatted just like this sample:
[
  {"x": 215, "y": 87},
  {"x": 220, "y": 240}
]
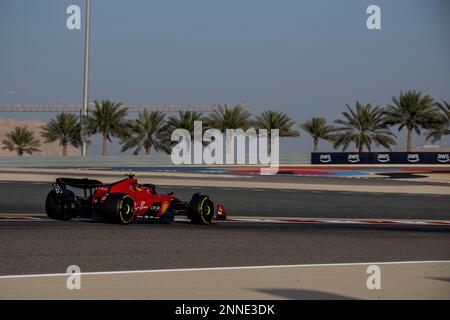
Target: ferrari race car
[{"x": 123, "y": 202}]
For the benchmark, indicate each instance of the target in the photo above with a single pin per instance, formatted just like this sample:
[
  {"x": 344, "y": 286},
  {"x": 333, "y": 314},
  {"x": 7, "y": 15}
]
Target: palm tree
[
  {"x": 22, "y": 141},
  {"x": 65, "y": 128},
  {"x": 442, "y": 127},
  {"x": 185, "y": 120},
  {"x": 146, "y": 132},
  {"x": 413, "y": 111},
  {"x": 108, "y": 119},
  {"x": 275, "y": 120},
  {"x": 363, "y": 126},
  {"x": 223, "y": 118},
  {"x": 318, "y": 129}
]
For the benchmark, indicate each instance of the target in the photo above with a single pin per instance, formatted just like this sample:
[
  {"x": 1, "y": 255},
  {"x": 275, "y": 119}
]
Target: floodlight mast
[{"x": 84, "y": 112}]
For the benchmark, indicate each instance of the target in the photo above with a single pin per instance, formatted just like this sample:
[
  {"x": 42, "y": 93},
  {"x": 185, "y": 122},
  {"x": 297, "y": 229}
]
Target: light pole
[{"x": 84, "y": 111}]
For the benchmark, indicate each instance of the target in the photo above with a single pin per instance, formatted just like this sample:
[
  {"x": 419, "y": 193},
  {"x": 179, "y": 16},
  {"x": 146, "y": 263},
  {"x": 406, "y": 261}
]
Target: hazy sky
[{"x": 302, "y": 57}]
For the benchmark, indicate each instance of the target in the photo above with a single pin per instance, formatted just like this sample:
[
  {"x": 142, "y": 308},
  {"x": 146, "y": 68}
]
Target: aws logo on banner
[
  {"x": 325, "y": 158},
  {"x": 443, "y": 157},
  {"x": 383, "y": 157},
  {"x": 413, "y": 157},
  {"x": 353, "y": 158}
]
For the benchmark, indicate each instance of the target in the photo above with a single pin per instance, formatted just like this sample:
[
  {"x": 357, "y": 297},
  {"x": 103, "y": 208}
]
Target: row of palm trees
[
  {"x": 362, "y": 126},
  {"x": 366, "y": 125}
]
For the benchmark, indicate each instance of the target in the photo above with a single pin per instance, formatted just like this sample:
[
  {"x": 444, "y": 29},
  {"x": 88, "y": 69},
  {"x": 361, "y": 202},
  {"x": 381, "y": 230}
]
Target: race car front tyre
[
  {"x": 119, "y": 207},
  {"x": 55, "y": 208},
  {"x": 201, "y": 209}
]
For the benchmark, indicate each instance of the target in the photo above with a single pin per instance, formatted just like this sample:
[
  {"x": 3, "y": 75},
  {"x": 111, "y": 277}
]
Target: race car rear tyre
[
  {"x": 55, "y": 208},
  {"x": 119, "y": 207},
  {"x": 201, "y": 209}
]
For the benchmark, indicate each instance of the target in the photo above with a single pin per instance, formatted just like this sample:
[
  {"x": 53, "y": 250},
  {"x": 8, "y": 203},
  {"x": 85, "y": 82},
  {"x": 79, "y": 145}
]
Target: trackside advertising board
[{"x": 380, "y": 158}]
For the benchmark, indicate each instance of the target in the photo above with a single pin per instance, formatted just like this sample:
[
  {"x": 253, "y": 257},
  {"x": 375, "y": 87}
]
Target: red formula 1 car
[{"x": 122, "y": 202}]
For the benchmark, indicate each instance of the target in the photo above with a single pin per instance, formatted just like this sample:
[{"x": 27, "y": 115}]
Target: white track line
[
  {"x": 223, "y": 268},
  {"x": 340, "y": 221},
  {"x": 238, "y": 219}
]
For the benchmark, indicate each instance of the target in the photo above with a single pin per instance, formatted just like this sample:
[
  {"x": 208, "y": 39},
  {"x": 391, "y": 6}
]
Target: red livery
[{"x": 123, "y": 201}]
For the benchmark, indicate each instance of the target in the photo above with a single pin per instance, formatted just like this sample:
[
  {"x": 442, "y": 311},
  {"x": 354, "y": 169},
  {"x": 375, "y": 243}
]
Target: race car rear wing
[
  {"x": 87, "y": 185},
  {"x": 79, "y": 183}
]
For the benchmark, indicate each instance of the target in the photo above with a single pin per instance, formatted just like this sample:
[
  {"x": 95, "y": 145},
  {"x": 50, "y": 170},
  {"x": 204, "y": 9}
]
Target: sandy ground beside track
[
  {"x": 429, "y": 280},
  {"x": 216, "y": 180}
]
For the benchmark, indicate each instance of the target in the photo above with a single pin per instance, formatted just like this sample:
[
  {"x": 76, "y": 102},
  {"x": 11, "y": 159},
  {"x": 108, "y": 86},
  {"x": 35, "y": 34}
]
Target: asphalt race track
[
  {"x": 51, "y": 246},
  {"x": 29, "y": 247},
  {"x": 45, "y": 247},
  {"x": 29, "y": 198}
]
